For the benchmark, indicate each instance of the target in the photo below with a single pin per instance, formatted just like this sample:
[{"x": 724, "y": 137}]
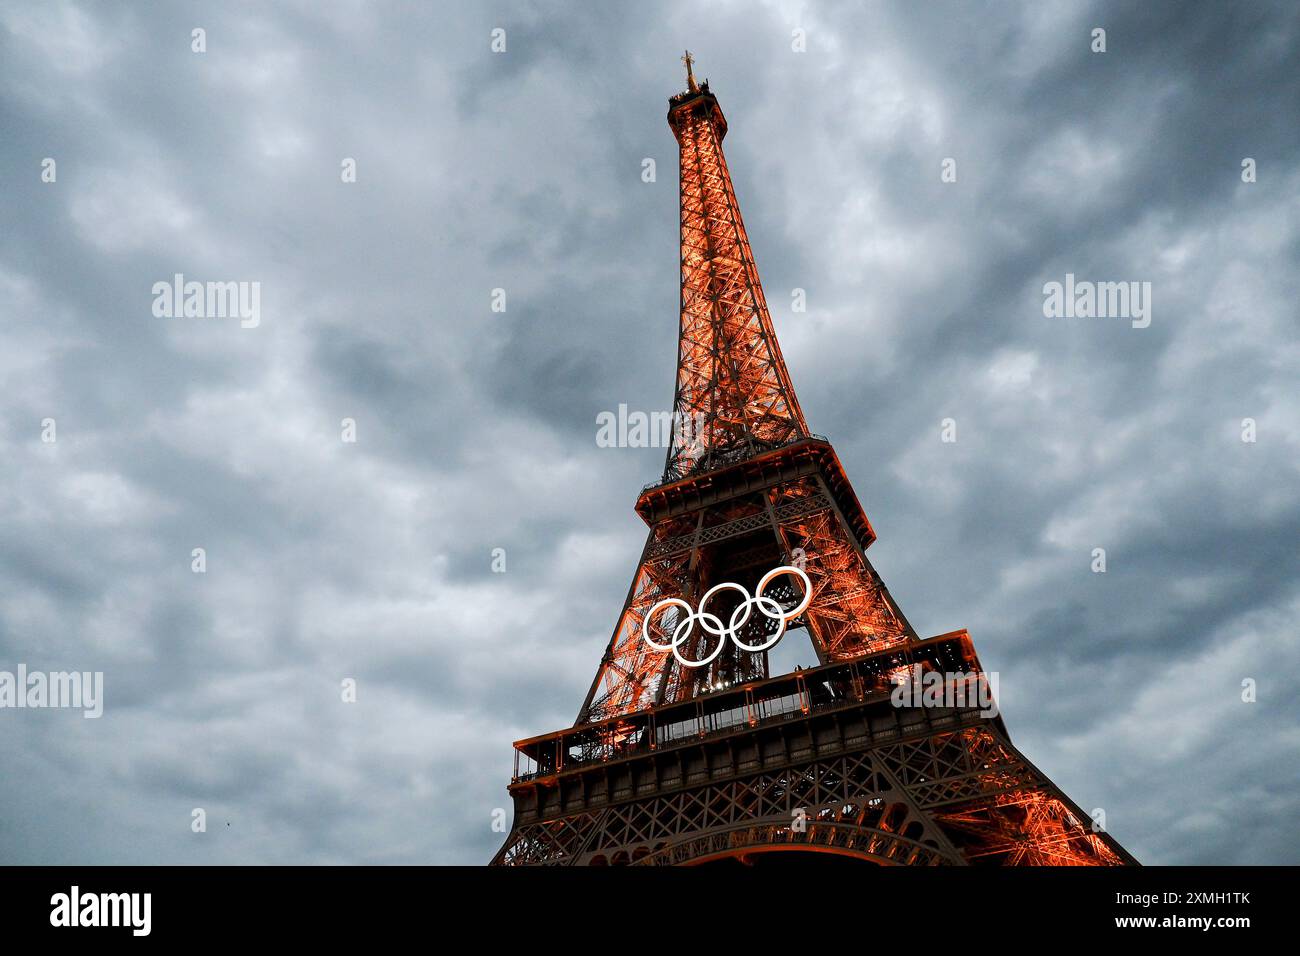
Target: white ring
[{"x": 712, "y": 624}]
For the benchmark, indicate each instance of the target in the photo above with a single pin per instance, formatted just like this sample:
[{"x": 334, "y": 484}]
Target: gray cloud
[{"x": 476, "y": 429}]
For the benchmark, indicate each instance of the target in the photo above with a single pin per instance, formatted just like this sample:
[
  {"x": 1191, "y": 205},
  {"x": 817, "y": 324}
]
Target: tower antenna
[{"x": 690, "y": 75}]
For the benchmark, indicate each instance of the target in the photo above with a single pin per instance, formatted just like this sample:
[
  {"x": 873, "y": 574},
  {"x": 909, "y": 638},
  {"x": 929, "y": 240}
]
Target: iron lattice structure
[
  {"x": 734, "y": 395},
  {"x": 668, "y": 764}
]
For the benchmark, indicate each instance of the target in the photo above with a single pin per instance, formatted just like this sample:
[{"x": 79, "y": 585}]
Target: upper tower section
[{"x": 734, "y": 398}]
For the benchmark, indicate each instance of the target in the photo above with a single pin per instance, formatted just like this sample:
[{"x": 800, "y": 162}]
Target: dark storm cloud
[{"x": 476, "y": 430}]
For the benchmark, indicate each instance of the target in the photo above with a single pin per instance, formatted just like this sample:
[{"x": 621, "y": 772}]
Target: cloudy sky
[{"x": 476, "y": 429}]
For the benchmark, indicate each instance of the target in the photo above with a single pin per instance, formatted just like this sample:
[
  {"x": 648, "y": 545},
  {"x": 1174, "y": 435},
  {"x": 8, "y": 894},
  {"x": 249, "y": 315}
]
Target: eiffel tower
[{"x": 686, "y": 750}]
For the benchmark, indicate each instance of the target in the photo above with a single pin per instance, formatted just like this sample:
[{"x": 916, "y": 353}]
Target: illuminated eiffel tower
[{"x": 686, "y": 750}]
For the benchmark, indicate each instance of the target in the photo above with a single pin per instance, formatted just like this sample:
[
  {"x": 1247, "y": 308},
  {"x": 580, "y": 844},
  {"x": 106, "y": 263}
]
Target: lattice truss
[
  {"x": 1028, "y": 829},
  {"x": 851, "y": 614},
  {"x": 960, "y": 797},
  {"x": 733, "y": 390},
  {"x": 734, "y": 398},
  {"x": 994, "y": 806},
  {"x": 631, "y": 670},
  {"x": 843, "y": 802}
]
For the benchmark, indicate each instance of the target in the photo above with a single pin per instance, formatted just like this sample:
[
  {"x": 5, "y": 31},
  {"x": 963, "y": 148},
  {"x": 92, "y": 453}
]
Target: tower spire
[
  {"x": 690, "y": 75},
  {"x": 733, "y": 398}
]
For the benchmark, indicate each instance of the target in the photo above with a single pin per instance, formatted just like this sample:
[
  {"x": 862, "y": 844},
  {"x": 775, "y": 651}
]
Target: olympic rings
[{"x": 712, "y": 624}]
